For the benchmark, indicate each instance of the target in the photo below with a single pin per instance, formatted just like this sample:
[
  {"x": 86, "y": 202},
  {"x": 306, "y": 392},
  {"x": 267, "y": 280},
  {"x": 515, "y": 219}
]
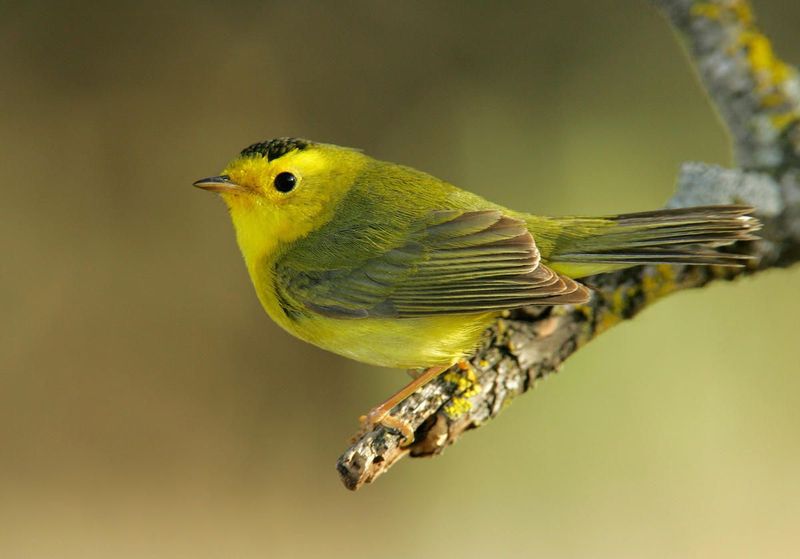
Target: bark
[{"x": 758, "y": 98}]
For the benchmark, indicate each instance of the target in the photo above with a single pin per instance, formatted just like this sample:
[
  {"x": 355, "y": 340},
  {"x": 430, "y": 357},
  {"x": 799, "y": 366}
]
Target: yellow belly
[
  {"x": 404, "y": 343},
  {"x": 407, "y": 343}
]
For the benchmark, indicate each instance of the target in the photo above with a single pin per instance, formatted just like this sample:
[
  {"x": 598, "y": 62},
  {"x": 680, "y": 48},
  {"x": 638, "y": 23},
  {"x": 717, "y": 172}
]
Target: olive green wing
[{"x": 453, "y": 262}]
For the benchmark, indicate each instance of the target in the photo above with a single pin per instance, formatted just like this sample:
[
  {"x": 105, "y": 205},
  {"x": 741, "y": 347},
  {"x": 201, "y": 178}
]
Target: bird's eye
[{"x": 285, "y": 182}]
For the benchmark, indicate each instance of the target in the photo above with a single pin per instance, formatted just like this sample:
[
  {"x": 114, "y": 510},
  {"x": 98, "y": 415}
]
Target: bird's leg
[{"x": 380, "y": 413}]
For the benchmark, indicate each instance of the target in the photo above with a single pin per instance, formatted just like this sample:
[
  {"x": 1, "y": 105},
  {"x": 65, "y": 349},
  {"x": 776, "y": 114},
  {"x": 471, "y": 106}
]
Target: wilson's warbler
[{"x": 391, "y": 266}]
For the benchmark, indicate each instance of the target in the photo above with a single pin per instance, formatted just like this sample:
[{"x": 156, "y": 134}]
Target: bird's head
[{"x": 282, "y": 189}]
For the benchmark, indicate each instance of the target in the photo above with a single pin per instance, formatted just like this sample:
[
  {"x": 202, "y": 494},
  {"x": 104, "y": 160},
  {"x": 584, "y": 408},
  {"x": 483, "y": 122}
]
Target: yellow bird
[{"x": 391, "y": 266}]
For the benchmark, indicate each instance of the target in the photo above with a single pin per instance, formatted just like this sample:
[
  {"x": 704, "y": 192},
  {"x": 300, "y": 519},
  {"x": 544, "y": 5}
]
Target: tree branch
[{"x": 758, "y": 98}]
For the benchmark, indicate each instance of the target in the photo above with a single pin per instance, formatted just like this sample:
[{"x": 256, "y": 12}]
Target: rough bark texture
[{"x": 758, "y": 97}]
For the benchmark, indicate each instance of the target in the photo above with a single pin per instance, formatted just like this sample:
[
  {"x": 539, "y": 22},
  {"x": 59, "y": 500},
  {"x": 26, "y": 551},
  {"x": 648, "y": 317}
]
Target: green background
[{"x": 149, "y": 408}]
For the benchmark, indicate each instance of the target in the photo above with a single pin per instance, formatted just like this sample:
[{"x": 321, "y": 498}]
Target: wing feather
[{"x": 454, "y": 262}]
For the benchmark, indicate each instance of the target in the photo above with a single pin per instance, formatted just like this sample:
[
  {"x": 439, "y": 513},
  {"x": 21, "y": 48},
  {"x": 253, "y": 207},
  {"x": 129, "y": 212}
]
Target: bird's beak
[{"x": 221, "y": 183}]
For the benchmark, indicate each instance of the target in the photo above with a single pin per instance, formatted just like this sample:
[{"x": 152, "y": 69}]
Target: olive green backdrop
[{"x": 149, "y": 408}]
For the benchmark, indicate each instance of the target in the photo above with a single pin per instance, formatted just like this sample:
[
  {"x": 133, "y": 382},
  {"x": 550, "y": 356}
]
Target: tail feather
[
  {"x": 680, "y": 236},
  {"x": 697, "y": 213}
]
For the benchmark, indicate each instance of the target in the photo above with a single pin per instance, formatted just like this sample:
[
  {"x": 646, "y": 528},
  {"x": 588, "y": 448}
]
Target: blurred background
[{"x": 148, "y": 406}]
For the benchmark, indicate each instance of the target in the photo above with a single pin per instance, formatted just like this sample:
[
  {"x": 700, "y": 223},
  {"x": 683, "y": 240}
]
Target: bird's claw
[{"x": 382, "y": 418}]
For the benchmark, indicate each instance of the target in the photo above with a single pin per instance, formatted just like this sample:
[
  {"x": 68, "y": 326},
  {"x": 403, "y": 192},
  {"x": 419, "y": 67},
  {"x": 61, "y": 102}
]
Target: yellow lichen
[
  {"x": 706, "y": 10},
  {"x": 768, "y": 70},
  {"x": 783, "y": 120},
  {"x": 457, "y": 407},
  {"x": 770, "y": 73},
  {"x": 618, "y": 302},
  {"x": 466, "y": 387},
  {"x": 606, "y": 320},
  {"x": 659, "y": 283},
  {"x": 586, "y": 310},
  {"x": 656, "y": 283},
  {"x": 739, "y": 9}
]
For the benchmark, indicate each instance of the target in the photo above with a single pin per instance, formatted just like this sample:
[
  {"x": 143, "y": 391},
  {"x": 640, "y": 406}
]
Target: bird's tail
[{"x": 584, "y": 246}]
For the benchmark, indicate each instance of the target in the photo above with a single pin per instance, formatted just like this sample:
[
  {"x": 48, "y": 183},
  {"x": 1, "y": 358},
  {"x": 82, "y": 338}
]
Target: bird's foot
[
  {"x": 379, "y": 415},
  {"x": 376, "y": 417}
]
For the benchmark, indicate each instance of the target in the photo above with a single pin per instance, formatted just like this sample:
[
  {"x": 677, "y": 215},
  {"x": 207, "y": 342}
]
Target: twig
[{"x": 758, "y": 97}]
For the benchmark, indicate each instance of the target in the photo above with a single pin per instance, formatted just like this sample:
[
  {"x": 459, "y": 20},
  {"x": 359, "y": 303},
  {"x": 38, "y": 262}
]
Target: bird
[{"x": 391, "y": 266}]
